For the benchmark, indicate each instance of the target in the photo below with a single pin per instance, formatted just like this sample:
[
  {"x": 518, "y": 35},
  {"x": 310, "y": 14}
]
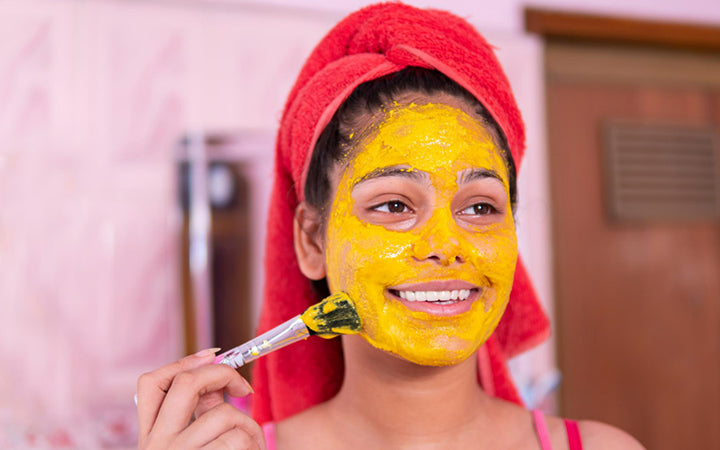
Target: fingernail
[
  {"x": 207, "y": 352},
  {"x": 247, "y": 383}
]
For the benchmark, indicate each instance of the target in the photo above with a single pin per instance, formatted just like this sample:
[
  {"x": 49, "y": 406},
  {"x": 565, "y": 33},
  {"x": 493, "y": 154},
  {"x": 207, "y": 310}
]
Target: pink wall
[
  {"x": 506, "y": 15},
  {"x": 93, "y": 98}
]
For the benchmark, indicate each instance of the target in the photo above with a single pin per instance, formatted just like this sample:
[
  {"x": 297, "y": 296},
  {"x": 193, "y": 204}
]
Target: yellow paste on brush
[
  {"x": 332, "y": 316},
  {"x": 366, "y": 257}
]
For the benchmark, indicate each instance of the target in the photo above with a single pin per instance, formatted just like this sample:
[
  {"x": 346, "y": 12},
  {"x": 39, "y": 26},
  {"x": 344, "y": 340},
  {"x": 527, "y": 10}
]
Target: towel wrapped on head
[{"x": 375, "y": 41}]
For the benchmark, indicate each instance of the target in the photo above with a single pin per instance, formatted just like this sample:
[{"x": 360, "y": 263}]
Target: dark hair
[{"x": 370, "y": 97}]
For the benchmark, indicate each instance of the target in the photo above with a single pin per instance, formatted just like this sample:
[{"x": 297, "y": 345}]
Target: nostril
[
  {"x": 440, "y": 259},
  {"x": 443, "y": 252}
]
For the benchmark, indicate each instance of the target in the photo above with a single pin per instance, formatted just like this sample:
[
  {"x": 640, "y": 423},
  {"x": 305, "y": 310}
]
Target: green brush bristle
[{"x": 332, "y": 316}]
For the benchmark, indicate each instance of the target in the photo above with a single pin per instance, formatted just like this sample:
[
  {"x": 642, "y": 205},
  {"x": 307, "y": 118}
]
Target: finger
[
  {"x": 186, "y": 389},
  {"x": 211, "y": 400},
  {"x": 153, "y": 386},
  {"x": 234, "y": 439},
  {"x": 216, "y": 423},
  {"x": 208, "y": 402}
]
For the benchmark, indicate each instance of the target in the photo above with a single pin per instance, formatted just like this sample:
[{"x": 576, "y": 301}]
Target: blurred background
[{"x": 136, "y": 144}]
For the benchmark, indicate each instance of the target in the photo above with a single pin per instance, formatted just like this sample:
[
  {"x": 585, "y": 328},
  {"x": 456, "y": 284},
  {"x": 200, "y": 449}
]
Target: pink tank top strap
[
  {"x": 268, "y": 430},
  {"x": 571, "y": 428},
  {"x": 573, "y": 434},
  {"x": 541, "y": 430}
]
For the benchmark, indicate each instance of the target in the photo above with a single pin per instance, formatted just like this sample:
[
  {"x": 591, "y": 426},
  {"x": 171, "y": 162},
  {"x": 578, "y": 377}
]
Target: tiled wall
[{"x": 93, "y": 98}]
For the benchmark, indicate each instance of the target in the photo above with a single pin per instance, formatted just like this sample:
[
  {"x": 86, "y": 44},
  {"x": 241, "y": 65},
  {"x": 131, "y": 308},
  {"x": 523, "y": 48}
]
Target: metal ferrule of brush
[{"x": 284, "y": 334}]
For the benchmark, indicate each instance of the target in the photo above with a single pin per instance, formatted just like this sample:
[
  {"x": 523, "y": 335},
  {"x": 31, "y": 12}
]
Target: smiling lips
[
  {"x": 443, "y": 298},
  {"x": 435, "y": 296}
]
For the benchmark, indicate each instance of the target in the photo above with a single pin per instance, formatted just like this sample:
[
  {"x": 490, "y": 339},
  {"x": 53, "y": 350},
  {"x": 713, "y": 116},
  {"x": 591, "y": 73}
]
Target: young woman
[{"x": 395, "y": 183}]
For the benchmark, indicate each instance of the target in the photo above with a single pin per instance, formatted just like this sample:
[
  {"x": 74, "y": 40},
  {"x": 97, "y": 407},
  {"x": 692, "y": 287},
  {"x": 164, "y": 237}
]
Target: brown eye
[
  {"x": 393, "y": 207},
  {"x": 396, "y": 207},
  {"x": 480, "y": 209}
]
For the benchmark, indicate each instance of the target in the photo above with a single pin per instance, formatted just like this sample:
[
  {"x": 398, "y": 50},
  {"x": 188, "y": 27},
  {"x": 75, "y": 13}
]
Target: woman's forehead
[
  {"x": 427, "y": 137},
  {"x": 432, "y": 130},
  {"x": 366, "y": 122}
]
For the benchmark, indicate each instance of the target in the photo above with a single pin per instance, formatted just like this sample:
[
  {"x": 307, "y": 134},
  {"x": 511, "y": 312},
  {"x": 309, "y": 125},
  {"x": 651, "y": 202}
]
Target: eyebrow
[
  {"x": 477, "y": 174},
  {"x": 393, "y": 171}
]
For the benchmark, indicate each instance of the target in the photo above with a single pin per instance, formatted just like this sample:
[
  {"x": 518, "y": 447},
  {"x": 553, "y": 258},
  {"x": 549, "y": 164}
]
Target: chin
[{"x": 440, "y": 356}]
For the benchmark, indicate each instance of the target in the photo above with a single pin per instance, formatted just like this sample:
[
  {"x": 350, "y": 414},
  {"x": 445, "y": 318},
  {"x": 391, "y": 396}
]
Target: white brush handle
[{"x": 284, "y": 334}]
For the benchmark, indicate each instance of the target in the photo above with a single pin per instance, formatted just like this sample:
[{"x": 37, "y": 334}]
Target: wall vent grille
[{"x": 661, "y": 172}]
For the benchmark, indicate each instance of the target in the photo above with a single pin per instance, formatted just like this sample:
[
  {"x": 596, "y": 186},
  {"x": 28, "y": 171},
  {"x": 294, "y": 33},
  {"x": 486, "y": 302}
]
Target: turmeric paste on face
[{"x": 367, "y": 258}]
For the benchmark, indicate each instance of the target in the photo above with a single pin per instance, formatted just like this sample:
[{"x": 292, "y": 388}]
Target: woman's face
[{"x": 421, "y": 233}]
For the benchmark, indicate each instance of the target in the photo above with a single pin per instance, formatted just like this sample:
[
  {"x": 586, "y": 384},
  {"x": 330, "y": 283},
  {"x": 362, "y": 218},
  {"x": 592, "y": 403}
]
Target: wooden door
[{"x": 638, "y": 301}]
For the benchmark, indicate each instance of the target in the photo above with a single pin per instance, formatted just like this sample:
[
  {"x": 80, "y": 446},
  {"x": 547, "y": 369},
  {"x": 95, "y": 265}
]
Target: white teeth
[{"x": 435, "y": 296}]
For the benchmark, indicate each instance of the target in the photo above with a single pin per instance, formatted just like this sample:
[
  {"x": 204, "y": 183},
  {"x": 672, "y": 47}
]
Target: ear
[{"x": 309, "y": 245}]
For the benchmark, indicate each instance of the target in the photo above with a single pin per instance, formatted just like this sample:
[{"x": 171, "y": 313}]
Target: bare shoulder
[
  {"x": 293, "y": 432},
  {"x": 598, "y": 435},
  {"x": 294, "y": 425}
]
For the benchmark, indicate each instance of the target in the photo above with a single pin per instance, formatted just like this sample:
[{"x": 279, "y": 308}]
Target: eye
[
  {"x": 392, "y": 207},
  {"x": 479, "y": 209}
]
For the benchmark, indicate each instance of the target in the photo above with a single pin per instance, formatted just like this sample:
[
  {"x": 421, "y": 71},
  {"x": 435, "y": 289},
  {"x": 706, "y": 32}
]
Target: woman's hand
[{"x": 168, "y": 397}]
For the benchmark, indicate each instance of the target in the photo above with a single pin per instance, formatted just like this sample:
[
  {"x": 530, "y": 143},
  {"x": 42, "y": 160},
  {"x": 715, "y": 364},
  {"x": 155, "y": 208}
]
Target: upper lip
[{"x": 438, "y": 285}]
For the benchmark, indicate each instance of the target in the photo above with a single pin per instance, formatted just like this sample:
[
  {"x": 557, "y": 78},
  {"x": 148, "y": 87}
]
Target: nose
[{"x": 438, "y": 242}]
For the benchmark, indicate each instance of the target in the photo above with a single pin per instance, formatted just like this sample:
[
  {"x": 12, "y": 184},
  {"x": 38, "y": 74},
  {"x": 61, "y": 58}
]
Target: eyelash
[
  {"x": 387, "y": 206},
  {"x": 489, "y": 209}
]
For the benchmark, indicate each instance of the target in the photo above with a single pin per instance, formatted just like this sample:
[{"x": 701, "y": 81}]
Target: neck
[{"x": 401, "y": 401}]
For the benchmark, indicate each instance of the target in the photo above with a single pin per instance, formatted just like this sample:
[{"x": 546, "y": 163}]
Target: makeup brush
[{"x": 332, "y": 316}]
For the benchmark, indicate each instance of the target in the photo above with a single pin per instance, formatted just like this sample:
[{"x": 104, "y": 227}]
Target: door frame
[{"x": 553, "y": 24}]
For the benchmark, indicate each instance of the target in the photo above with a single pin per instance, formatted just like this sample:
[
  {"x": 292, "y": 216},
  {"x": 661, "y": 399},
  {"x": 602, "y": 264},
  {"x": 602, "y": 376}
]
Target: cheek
[
  {"x": 500, "y": 271},
  {"x": 495, "y": 254},
  {"x": 358, "y": 253},
  {"x": 362, "y": 260},
  {"x": 362, "y": 254}
]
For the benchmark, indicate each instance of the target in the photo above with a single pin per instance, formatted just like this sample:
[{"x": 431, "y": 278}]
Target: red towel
[{"x": 370, "y": 43}]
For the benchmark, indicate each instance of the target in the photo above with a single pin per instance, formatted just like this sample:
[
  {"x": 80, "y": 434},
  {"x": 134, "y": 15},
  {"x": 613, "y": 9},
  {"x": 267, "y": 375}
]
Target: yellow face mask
[{"x": 421, "y": 234}]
